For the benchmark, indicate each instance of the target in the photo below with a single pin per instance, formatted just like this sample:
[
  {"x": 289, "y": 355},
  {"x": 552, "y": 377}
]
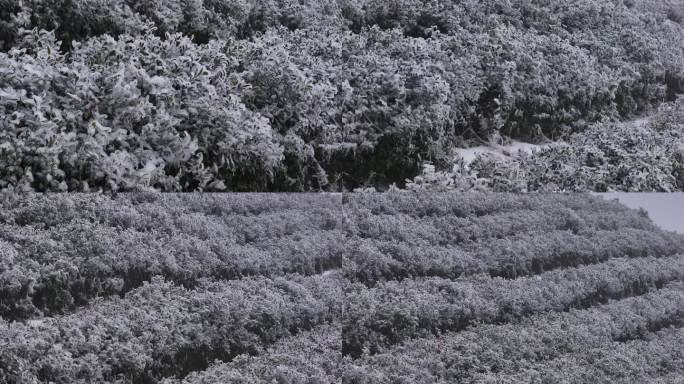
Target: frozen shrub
[
  {"x": 131, "y": 111},
  {"x": 298, "y": 95}
]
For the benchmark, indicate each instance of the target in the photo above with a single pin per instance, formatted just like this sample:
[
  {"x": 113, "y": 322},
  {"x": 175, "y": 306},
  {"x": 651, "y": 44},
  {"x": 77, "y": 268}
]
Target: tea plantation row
[{"x": 357, "y": 288}]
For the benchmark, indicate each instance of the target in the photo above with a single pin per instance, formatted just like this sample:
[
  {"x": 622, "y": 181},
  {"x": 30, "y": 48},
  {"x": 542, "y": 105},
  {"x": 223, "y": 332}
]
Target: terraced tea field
[
  {"x": 145, "y": 288},
  {"x": 510, "y": 289},
  {"x": 358, "y": 288}
]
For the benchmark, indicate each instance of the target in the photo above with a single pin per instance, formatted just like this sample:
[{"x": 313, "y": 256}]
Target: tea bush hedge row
[
  {"x": 62, "y": 251},
  {"x": 392, "y": 312},
  {"x": 263, "y": 288},
  {"x": 161, "y": 330},
  {"x": 490, "y": 352},
  {"x": 310, "y": 357}
]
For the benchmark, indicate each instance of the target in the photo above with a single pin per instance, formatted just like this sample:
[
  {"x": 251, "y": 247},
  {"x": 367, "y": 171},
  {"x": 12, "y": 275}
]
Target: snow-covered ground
[
  {"x": 35, "y": 322},
  {"x": 501, "y": 151}
]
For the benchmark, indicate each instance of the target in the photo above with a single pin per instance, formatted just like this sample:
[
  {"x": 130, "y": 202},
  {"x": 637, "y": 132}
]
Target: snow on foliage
[{"x": 282, "y": 95}]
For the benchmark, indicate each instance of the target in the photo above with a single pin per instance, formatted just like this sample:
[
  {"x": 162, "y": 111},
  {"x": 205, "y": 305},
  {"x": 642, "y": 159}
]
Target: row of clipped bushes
[
  {"x": 396, "y": 236},
  {"x": 627, "y": 340},
  {"x": 288, "y": 96},
  {"x": 162, "y": 330},
  {"x": 59, "y": 253},
  {"x": 393, "y": 312},
  {"x": 321, "y": 288},
  {"x": 312, "y": 357}
]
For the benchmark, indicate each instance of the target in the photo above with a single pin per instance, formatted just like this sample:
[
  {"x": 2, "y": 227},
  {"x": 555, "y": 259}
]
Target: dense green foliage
[{"x": 290, "y": 95}]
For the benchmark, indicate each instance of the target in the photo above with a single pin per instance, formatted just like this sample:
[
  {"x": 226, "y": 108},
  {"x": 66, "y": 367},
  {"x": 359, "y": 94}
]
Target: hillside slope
[
  {"x": 475, "y": 288},
  {"x": 356, "y": 288},
  {"x": 640, "y": 155},
  {"x": 309, "y": 95},
  {"x": 138, "y": 288}
]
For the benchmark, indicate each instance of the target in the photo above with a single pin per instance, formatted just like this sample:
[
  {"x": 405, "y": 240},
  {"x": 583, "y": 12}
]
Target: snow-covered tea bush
[{"x": 287, "y": 95}]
